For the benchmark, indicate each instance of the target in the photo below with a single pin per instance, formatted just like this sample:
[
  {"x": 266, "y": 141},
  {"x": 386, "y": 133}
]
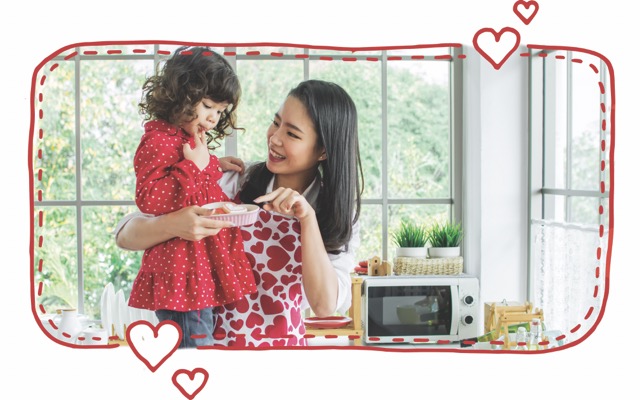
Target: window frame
[
  {"x": 542, "y": 152},
  {"x": 454, "y": 201}
]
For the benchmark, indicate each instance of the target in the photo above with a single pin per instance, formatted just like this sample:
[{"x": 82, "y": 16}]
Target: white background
[{"x": 36, "y": 367}]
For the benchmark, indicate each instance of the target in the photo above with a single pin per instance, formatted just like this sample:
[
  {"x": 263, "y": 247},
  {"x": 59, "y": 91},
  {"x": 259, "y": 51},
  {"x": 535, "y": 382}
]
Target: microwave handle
[{"x": 455, "y": 310}]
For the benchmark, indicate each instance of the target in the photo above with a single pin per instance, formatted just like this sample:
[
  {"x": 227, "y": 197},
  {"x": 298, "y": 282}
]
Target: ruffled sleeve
[{"x": 163, "y": 178}]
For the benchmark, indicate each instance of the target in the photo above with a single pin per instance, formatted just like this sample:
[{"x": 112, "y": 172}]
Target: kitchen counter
[{"x": 343, "y": 341}]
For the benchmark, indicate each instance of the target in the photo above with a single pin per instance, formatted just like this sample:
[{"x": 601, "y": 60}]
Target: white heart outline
[
  {"x": 484, "y": 45},
  {"x": 153, "y": 345},
  {"x": 526, "y": 10},
  {"x": 194, "y": 387}
]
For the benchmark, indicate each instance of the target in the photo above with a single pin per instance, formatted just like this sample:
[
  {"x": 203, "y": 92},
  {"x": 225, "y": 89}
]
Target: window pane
[
  {"x": 111, "y": 126},
  {"x": 556, "y": 128},
  {"x": 103, "y": 261},
  {"x": 573, "y": 129},
  {"x": 117, "y": 49},
  {"x": 584, "y": 210},
  {"x": 269, "y": 50},
  {"x": 419, "y": 129},
  {"x": 57, "y": 125},
  {"x": 576, "y": 209},
  {"x": 56, "y": 263},
  {"x": 555, "y": 208},
  {"x": 362, "y": 81},
  {"x": 265, "y": 85},
  {"x": 338, "y": 55},
  {"x": 420, "y": 52},
  {"x": 370, "y": 232},
  {"x": 585, "y": 125},
  {"x": 163, "y": 48}
]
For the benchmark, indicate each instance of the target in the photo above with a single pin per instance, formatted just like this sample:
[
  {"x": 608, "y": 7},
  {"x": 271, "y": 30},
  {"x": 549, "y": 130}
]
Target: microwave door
[{"x": 455, "y": 310}]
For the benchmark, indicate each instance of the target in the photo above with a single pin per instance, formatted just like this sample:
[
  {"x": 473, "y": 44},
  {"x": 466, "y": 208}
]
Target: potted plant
[
  {"x": 411, "y": 240},
  {"x": 444, "y": 240}
]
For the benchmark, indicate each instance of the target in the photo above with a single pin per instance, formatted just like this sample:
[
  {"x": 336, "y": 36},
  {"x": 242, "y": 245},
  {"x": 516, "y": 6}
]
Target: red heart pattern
[
  {"x": 288, "y": 242},
  {"x": 237, "y": 325},
  {"x": 278, "y": 258},
  {"x": 254, "y": 320},
  {"x": 263, "y": 234},
  {"x": 273, "y": 315},
  {"x": 257, "y": 248},
  {"x": 268, "y": 280},
  {"x": 270, "y": 305}
]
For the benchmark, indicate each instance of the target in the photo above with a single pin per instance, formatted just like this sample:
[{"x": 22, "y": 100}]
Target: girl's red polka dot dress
[{"x": 183, "y": 275}]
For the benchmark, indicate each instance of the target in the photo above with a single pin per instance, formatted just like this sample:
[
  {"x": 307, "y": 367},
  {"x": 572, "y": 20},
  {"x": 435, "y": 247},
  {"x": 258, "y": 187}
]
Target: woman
[{"x": 313, "y": 174}]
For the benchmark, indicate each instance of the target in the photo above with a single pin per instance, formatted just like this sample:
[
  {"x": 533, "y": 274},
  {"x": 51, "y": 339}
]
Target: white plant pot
[
  {"x": 441, "y": 252},
  {"x": 416, "y": 252}
]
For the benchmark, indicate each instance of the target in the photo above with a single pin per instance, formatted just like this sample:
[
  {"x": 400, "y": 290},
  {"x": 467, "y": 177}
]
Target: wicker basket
[{"x": 427, "y": 266}]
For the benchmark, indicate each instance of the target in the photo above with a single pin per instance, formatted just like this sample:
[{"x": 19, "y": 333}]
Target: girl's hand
[
  {"x": 287, "y": 201},
  {"x": 231, "y": 164},
  {"x": 200, "y": 153},
  {"x": 190, "y": 223}
]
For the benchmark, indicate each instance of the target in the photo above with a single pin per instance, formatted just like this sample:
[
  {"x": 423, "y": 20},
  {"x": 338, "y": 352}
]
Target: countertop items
[{"x": 116, "y": 315}]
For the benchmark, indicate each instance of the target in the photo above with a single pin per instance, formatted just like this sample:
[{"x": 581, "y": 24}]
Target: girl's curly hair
[{"x": 190, "y": 75}]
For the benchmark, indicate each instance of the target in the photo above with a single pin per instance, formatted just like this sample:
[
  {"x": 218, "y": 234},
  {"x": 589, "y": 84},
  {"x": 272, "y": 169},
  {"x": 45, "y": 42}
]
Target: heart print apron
[{"x": 271, "y": 317}]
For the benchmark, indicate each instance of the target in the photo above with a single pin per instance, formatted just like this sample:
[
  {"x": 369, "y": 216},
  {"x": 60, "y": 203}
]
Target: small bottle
[
  {"x": 521, "y": 338},
  {"x": 535, "y": 336}
]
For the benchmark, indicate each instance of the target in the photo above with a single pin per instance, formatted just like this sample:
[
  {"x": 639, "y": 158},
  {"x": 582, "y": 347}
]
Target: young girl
[
  {"x": 312, "y": 174},
  {"x": 190, "y": 103}
]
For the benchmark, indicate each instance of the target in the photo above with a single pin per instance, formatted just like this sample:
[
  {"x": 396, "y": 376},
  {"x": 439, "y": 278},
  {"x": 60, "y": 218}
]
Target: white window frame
[
  {"x": 542, "y": 153},
  {"x": 385, "y": 200}
]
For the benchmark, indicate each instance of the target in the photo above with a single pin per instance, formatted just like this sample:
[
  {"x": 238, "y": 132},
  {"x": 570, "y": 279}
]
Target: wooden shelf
[{"x": 354, "y": 329}]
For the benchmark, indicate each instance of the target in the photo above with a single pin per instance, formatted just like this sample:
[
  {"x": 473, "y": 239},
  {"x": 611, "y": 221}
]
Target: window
[
  {"x": 570, "y": 150},
  {"x": 88, "y": 127}
]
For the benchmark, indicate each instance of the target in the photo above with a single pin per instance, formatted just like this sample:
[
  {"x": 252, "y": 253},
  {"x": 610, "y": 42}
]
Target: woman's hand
[
  {"x": 231, "y": 164},
  {"x": 190, "y": 223},
  {"x": 287, "y": 201},
  {"x": 319, "y": 278},
  {"x": 199, "y": 154}
]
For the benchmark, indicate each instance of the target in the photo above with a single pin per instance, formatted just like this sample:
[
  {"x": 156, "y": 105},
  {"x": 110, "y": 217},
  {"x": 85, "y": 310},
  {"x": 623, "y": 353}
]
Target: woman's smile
[{"x": 275, "y": 156}]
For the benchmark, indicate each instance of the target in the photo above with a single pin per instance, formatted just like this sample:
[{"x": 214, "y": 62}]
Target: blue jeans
[{"x": 197, "y": 326}]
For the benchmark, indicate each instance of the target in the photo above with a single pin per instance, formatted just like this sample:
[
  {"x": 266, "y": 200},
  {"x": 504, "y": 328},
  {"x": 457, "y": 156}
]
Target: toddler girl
[{"x": 187, "y": 105}]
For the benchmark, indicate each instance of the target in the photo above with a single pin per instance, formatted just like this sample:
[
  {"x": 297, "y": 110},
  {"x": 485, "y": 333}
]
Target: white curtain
[{"x": 568, "y": 277}]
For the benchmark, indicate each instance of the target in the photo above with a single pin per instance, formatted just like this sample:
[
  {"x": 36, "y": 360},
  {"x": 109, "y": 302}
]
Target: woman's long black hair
[{"x": 335, "y": 120}]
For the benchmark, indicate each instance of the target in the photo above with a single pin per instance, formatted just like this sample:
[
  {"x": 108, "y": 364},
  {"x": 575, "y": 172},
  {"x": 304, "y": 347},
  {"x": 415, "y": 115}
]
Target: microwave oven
[{"x": 420, "y": 309}]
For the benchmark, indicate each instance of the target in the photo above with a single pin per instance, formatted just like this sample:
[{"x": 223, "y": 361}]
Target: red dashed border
[{"x": 38, "y": 193}]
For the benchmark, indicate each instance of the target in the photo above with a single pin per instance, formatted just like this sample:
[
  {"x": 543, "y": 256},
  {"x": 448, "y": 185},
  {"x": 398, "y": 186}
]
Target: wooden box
[{"x": 492, "y": 310}]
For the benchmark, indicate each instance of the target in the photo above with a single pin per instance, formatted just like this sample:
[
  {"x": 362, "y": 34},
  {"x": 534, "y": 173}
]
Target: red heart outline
[
  {"x": 191, "y": 374},
  {"x": 526, "y": 5},
  {"x": 155, "y": 330},
  {"x": 496, "y": 36}
]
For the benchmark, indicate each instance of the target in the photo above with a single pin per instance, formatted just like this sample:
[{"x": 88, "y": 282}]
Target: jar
[
  {"x": 70, "y": 325},
  {"x": 521, "y": 338},
  {"x": 535, "y": 334}
]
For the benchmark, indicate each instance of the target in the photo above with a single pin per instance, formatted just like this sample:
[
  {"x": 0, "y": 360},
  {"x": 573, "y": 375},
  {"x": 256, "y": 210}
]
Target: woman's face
[{"x": 292, "y": 141}]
